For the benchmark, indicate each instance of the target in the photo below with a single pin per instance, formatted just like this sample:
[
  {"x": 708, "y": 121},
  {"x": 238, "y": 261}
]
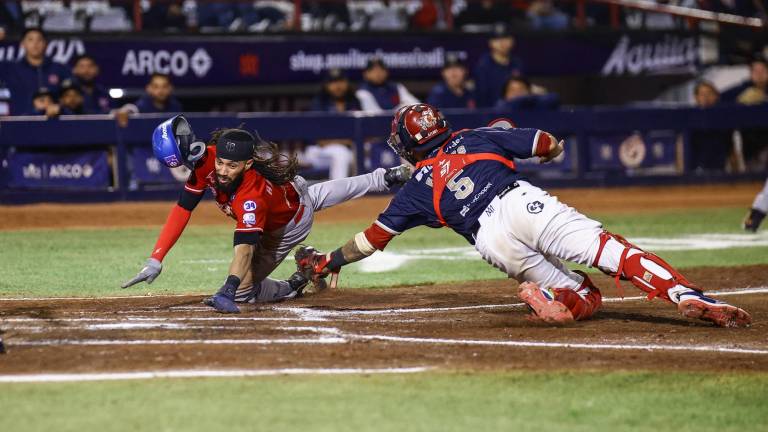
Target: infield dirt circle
[{"x": 470, "y": 326}]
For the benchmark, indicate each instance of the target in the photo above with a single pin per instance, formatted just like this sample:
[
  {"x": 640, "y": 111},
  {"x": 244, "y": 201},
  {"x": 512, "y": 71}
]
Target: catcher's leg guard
[
  {"x": 543, "y": 304},
  {"x": 619, "y": 258},
  {"x": 584, "y": 302}
]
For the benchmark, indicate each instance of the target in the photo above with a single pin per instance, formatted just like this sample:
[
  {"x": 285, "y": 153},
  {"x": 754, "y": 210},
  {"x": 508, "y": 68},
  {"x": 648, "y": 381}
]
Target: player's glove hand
[
  {"x": 149, "y": 273},
  {"x": 313, "y": 265},
  {"x": 555, "y": 149}
]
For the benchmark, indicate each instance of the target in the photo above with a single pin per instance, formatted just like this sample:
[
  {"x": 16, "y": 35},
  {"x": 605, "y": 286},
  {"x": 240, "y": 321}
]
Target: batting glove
[{"x": 149, "y": 273}]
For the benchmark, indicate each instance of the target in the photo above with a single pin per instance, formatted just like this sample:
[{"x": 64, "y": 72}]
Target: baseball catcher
[
  {"x": 257, "y": 187},
  {"x": 467, "y": 180}
]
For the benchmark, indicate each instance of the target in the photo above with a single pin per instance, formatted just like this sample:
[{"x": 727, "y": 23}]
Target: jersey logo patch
[
  {"x": 249, "y": 206},
  {"x": 535, "y": 207},
  {"x": 249, "y": 219}
]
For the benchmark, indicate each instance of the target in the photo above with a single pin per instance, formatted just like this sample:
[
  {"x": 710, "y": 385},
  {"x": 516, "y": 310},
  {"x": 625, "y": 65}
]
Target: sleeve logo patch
[
  {"x": 249, "y": 219},
  {"x": 249, "y": 206}
]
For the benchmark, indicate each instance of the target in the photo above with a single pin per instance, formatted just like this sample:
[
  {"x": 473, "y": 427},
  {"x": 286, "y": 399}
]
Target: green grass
[
  {"x": 95, "y": 262},
  {"x": 511, "y": 401}
]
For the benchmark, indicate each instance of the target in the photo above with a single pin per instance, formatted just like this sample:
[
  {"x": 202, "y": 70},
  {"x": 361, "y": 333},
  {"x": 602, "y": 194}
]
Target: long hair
[{"x": 267, "y": 159}]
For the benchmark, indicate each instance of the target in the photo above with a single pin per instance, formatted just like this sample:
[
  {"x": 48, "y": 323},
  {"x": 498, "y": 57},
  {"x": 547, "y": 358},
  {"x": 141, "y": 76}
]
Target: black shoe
[
  {"x": 297, "y": 282},
  {"x": 397, "y": 175},
  {"x": 753, "y": 220}
]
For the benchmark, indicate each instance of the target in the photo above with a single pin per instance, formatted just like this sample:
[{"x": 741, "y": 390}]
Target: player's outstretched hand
[
  {"x": 150, "y": 271},
  {"x": 554, "y": 150}
]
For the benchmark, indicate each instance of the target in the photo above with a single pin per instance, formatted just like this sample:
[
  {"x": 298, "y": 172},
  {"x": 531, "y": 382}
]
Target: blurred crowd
[
  {"x": 36, "y": 85},
  {"x": 339, "y": 15}
]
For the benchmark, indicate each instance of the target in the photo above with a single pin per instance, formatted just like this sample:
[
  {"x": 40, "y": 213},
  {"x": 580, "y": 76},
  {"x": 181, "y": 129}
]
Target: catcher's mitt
[{"x": 312, "y": 265}]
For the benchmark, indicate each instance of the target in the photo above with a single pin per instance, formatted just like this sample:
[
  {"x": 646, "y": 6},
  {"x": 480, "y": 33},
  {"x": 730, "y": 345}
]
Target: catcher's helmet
[
  {"x": 174, "y": 143},
  {"x": 417, "y": 128}
]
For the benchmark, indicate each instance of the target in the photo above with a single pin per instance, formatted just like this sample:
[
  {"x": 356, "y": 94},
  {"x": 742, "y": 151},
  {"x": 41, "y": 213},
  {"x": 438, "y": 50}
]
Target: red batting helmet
[{"x": 417, "y": 128}]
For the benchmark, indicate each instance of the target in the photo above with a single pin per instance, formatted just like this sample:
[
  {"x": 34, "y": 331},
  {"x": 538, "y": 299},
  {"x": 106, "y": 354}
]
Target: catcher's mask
[{"x": 417, "y": 128}]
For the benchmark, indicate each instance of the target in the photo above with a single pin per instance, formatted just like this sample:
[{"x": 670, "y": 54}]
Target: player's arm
[
  {"x": 526, "y": 143},
  {"x": 174, "y": 225},
  {"x": 362, "y": 245}
]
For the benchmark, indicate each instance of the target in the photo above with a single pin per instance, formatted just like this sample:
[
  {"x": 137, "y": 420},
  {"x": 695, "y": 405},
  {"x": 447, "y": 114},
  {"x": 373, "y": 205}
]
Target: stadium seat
[{"x": 65, "y": 21}]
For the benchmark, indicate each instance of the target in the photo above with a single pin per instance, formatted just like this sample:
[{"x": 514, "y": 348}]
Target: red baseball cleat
[
  {"x": 543, "y": 305},
  {"x": 696, "y": 305}
]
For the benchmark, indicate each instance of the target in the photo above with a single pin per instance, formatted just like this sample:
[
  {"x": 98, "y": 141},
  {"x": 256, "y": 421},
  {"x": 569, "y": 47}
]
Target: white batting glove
[{"x": 149, "y": 273}]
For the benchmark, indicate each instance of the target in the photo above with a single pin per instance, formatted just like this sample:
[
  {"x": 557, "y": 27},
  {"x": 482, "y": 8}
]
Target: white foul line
[
  {"x": 100, "y": 342},
  {"x": 74, "y": 377}
]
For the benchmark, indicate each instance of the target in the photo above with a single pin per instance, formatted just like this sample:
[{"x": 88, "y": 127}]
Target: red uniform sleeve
[
  {"x": 250, "y": 213},
  {"x": 377, "y": 236},
  {"x": 171, "y": 231},
  {"x": 541, "y": 143}
]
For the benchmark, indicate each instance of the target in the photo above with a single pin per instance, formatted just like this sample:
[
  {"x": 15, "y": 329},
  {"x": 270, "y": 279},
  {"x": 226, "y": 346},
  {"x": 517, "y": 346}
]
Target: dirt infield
[
  {"x": 624, "y": 200},
  {"x": 478, "y": 326}
]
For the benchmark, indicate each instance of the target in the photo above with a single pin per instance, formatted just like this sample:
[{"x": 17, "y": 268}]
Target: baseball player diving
[
  {"x": 467, "y": 180},
  {"x": 257, "y": 187}
]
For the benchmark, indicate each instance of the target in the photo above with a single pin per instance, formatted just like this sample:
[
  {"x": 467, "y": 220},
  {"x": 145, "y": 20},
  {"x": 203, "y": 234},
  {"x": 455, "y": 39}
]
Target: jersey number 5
[{"x": 461, "y": 187}]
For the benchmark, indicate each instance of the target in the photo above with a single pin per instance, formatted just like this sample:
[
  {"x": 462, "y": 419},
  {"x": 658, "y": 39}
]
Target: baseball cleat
[
  {"x": 699, "y": 306},
  {"x": 543, "y": 305},
  {"x": 752, "y": 221},
  {"x": 397, "y": 175}
]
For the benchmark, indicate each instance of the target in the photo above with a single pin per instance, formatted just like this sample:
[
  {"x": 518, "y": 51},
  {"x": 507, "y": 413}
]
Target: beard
[{"x": 231, "y": 187}]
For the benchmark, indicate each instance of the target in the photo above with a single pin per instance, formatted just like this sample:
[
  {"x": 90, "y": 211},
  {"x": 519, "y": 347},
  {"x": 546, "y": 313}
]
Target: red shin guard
[
  {"x": 581, "y": 308},
  {"x": 644, "y": 269}
]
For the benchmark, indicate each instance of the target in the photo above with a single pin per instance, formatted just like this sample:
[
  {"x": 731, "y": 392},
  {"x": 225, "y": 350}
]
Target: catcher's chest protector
[{"x": 445, "y": 166}]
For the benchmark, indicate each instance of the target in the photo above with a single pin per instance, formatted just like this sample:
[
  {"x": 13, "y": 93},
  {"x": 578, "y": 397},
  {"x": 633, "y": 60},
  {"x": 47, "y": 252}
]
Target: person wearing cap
[
  {"x": 377, "y": 93},
  {"x": 43, "y": 103},
  {"x": 96, "y": 99},
  {"x": 255, "y": 185},
  {"x": 494, "y": 67},
  {"x": 454, "y": 91},
  {"x": 333, "y": 154},
  {"x": 33, "y": 71},
  {"x": 71, "y": 99}
]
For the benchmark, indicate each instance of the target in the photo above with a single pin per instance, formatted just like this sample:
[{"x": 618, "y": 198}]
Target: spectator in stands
[
  {"x": 328, "y": 15},
  {"x": 96, "y": 98},
  {"x": 710, "y": 148},
  {"x": 426, "y": 16},
  {"x": 518, "y": 94},
  {"x": 543, "y": 15},
  {"x": 159, "y": 96},
  {"x": 43, "y": 103},
  {"x": 11, "y": 17},
  {"x": 488, "y": 13},
  {"x": 454, "y": 91},
  {"x": 165, "y": 16},
  {"x": 333, "y": 154},
  {"x": 753, "y": 90},
  {"x": 493, "y": 68},
  {"x": 377, "y": 93},
  {"x": 33, "y": 71},
  {"x": 71, "y": 99}
]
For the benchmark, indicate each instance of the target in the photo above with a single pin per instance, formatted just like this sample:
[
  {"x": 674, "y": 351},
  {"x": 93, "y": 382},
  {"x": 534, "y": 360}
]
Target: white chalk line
[
  {"x": 237, "y": 373},
  {"x": 107, "y": 342},
  {"x": 533, "y": 344},
  {"x": 344, "y": 338},
  {"x": 323, "y": 314}
]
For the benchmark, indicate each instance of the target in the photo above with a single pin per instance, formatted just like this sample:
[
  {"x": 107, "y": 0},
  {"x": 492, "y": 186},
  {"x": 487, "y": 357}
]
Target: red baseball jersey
[{"x": 257, "y": 204}]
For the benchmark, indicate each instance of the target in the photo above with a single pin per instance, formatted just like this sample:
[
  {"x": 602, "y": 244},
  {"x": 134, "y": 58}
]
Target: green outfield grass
[
  {"x": 513, "y": 401},
  {"x": 95, "y": 262}
]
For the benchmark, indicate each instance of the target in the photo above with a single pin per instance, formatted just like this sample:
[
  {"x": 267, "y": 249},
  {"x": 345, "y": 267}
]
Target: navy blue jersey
[
  {"x": 442, "y": 97},
  {"x": 490, "y": 78},
  {"x": 96, "y": 100},
  {"x": 386, "y": 94},
  {"x": 145, "y": 105},
  {"x": 24, "y": 80},
  {"x": 470, "y": 191}
]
